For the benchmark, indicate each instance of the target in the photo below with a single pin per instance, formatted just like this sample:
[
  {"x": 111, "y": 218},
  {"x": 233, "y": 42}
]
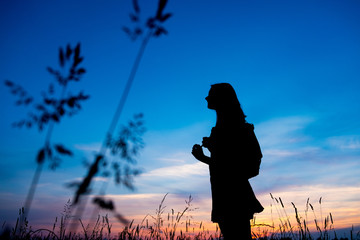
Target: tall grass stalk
[
  {"x": 154, "y": 29},
  {"x": 39, "y": 167},
  {"x": 323, "y": 227},
  {"x": 115, "y": 119},
  {"x": 49, "y": 111}
]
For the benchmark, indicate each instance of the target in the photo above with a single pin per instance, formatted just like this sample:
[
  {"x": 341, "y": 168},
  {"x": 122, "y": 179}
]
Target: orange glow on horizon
[
  {"x": 313, "y": 205},
  {"x": 311, "y": 202}
]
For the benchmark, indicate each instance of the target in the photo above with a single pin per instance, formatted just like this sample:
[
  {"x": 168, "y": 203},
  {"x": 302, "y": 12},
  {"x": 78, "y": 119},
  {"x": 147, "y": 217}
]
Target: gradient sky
[{"x": 295, "y": 66}]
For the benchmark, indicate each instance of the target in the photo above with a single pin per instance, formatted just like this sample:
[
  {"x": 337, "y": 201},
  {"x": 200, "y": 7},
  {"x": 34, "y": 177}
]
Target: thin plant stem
[
  {"x": 37, "y": 174},
  {"x": 125, "y": 94},
  {"x": 115, "y": 120},
  {"x": 32, "y": 189},
  {"x": 129, "y": 83}
]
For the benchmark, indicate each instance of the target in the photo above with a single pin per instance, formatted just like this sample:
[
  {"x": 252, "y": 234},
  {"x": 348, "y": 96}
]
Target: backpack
[{"x": 252, "y": 153}]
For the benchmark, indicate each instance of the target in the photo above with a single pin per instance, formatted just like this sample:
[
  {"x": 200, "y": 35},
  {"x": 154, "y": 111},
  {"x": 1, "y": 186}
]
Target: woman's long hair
[{"x": 228, "y": 105}]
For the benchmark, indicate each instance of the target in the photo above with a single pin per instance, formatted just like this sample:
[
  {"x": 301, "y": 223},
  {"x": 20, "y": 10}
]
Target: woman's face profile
[{"x": 211, "y": 99}]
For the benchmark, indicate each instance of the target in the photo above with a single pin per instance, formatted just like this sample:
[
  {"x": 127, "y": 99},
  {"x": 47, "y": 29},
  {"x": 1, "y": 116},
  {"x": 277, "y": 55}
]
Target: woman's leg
[
  {"x": 245, "y": 228},
  {"x": 222, "y": 228}
]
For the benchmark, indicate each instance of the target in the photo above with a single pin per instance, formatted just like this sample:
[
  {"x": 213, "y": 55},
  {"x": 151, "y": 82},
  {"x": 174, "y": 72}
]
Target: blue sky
[{"x": 294, "y": 64}]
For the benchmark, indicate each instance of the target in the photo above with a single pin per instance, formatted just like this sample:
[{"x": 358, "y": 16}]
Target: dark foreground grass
[{"x": 180, "y": 226}]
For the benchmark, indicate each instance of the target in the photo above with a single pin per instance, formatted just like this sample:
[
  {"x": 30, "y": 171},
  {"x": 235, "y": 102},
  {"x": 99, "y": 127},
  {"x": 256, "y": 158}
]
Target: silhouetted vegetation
[
  {"x": 58, "y": 102},
  {"x": 169, "y": 224},
  {"x": 128, "y": 142}
]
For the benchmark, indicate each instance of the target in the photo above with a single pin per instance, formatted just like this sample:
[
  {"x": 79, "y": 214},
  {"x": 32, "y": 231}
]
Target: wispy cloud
[
  {"x": 351, "y": 142},
  {"x": 283, "y": 132},
  {"x": 292, "y": 155},
  {"x": 296, "y": 165},
  {"x": 183, "y": 171},
  {"x": 89, "y": 147}
]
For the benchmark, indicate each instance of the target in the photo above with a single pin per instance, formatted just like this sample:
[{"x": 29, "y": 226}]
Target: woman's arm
[
  {"x": 198, "y": 153},
  {"x": 205, "y": 159}
]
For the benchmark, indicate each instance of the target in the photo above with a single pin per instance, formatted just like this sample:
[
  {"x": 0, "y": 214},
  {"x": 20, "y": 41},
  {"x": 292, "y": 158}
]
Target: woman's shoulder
[{"x": 233, "y": 129}]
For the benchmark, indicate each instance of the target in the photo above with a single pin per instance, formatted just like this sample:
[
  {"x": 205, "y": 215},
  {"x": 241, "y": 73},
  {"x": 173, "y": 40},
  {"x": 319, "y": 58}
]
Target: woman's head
[{"x": 222, "y": 98}]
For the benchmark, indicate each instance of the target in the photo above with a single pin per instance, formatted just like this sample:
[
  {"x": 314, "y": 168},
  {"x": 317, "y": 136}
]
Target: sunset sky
[{"x": 295, "y": 66}]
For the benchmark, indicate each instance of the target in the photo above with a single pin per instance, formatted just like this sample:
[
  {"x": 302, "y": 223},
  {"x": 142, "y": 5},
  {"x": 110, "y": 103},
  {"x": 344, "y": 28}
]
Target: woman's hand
[{"x": 197, "y": 152}]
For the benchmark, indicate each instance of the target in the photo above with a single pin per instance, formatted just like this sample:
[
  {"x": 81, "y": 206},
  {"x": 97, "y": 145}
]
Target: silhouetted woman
[{"x": 235, "y": 157}]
